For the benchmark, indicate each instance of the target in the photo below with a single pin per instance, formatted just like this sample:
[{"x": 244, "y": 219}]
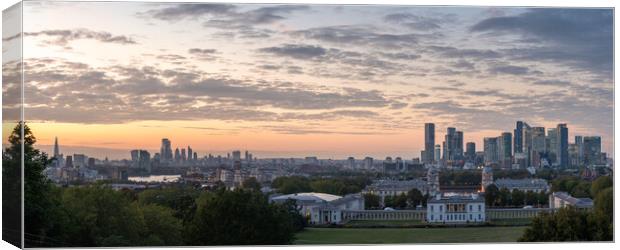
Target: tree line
[
  {"x": 96, "y": 216},
  {"x": 495, "y": 197},
  {"x": 572, "y": 224},
  {"x": 409, "y": 200},
  {"x": 335, "y": 185}
]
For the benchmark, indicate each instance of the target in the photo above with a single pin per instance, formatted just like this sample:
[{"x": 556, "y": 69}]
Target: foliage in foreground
[{"x": 97, "y": 216}]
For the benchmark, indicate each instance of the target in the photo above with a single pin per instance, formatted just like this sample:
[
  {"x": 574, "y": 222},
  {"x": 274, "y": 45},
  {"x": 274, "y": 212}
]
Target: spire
[{"x": 56, "y": 150}]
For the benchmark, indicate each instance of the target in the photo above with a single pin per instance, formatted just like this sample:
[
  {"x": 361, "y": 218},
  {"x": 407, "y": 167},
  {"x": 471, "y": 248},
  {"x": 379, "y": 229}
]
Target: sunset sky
[{"x": 294, "y": 80}]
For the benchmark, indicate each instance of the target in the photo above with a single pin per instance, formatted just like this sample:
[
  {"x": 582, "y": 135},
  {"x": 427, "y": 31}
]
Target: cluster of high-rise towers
[{"x": 525, "y": 147}]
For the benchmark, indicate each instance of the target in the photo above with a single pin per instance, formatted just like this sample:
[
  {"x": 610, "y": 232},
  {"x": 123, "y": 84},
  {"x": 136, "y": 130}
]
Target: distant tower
[
  {"x": 57, "y": 156},
  {"x": 432, "y": 180},
  {"x": 487, "y": 177},
  {"x": 56, "y": 149}
]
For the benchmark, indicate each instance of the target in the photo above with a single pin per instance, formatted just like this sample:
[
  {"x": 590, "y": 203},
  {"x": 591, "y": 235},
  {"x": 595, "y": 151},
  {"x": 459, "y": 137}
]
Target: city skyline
[
  {"x": 301, "y": 79},
  {"x": 509, "y": 151}
]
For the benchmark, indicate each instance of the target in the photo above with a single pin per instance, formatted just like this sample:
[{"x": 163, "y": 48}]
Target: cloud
[
  {"x": 183, "y": 11},
  {"x": 63, "y": 37},
  {"x": 361, "y": 35},
  {"x": 204, "y": 54},
  {"x": 513, "y": 70},
  {"x": 579, "y": 38},
  {"x": 452, "y": 52},
  {"x": 120, "y": 94},
  {"x": 296, "y": 51},
  {"x": 418, "y": 22},
  {"x": 559, "y": 83}
]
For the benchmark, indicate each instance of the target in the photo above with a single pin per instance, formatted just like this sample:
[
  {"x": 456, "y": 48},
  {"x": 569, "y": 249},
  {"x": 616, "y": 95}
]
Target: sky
[{"x": 296, "y": 80}]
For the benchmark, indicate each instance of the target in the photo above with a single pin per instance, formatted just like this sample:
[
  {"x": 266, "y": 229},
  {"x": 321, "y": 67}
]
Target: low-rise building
[
  {"x": 456, "y": 209},
  {"x": 323, "y": 208},
  {"x": 563, "y": 199},
  {"x": 384, "y": 188},
  {"x": 527, "y": 184}
]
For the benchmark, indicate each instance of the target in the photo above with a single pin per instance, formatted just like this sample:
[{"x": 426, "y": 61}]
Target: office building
[
  {"x": 165, "y": 152},
  {"x": 470, "y": 152},
  {"x": 579, "y": 143},
  {"x": 562, "y": 145},
  {"x": 190, "y": 154},
  {"x": 429, "y": 143},
  {"x": 368, "y": 163},
  {"x": 518, "y": 138},
  {"x": 591, "y": 150},
  {"x": 177, "y": 155},
  {"x": 490, "y": 150},
  {"x": 504, "y": 145}
]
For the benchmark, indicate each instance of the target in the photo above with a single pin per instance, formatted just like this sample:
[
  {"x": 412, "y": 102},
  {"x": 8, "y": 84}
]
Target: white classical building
[
  {"x": 323, "y": 208},
  {"x": 526, "y": 184},
  {"x": 456, "y": 209},
  {"x": 563, "y": 199}
]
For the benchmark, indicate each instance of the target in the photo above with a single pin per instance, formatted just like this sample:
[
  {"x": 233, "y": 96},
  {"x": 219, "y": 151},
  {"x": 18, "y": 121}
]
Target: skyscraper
[
  {"x": 183, "y": 156},
  {"x": 490, "y": 150},
  {"x": 165, "y": 152},
  {"x": 579, "y": 143},
  {"x": 449, "y": 150},
  {"x": 69, "y": 162},
  {"x": 437, "y": 153},
  {"x": 58, "y": 159},
  {"x": 177, "y": 155},
  {"x": 470, "y": 151},
  {"x": 236, "y": 155},
  {"x": 538, "y": 147},
  {"x": 429, "y": 143},
  {"x": 190, "y": 154},
  {"x": 56, "y": 149},
  {"x": 458, "y": 147},
  {"x": 505, "y": 150},
  {"x": 552, "y": 144},
  {"x": 518, "y": 138},
  {"x": 562, "y": 145},
  {"x": 591, "y": 150}
]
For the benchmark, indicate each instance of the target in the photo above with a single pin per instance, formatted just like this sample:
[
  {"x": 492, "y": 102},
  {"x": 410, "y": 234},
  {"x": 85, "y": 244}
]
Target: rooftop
[
  {"x": 577, "y": 202},
  {"x": 316, "y": 197},
  {"x": 457, "y": 198}
]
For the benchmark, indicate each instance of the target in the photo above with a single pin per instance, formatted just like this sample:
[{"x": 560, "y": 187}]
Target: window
[
  {"x": 479, "y": 216},
  {"x": 470, "y": 208},
  {"x": 432, "y": 208},
  {"x": 432, "y": 217},
  {"x": 479, "y": 207},
  {"x": 440, "y": 217},
  {"x": 440, "y": 208},
  {"x": 470, "y": 218}
]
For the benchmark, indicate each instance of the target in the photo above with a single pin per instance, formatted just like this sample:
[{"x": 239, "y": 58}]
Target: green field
[{"x": 408, "y": 235}]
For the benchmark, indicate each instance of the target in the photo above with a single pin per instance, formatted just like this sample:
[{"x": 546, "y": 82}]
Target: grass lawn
[
  {"x": 408, "y": 235},
  {"x": 385, "y": 223}
]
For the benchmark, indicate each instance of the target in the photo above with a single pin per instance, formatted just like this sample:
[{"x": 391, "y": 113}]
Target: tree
[
  {"x": 100, "y": 216},
  {"x": 517, "y": 197},
  {"x": 415, "y": 197},
  {"x": 600, "y": 184},
  {"x": 505, "y": 198},
  {"x": 38, "y": 201},
  {"x": 251, "y": 183},
  {"x": 567, "y": 224},
  {"x": 491, "y": 195},
  {"x": 371, "y": 201},
  {"x": 162, "y": 227},
  {"x": 240, "y": 217},
  {"x": 400, "y": 201},
  {"x": 604, "y": 203}
]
